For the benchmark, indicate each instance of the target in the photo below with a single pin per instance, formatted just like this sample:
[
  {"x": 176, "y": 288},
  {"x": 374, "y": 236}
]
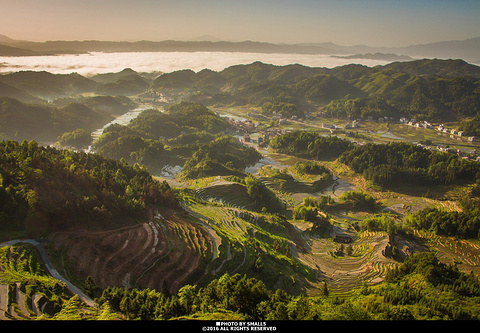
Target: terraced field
[
  {"x": 20, "y": 306},
  {"x": 165, "y": 251},
  {"x": 228, "y": 193},
  {"x": 343, "y": 272},
  {"x": 230, "y": 227},
  {"x": 464, "y": 254}
]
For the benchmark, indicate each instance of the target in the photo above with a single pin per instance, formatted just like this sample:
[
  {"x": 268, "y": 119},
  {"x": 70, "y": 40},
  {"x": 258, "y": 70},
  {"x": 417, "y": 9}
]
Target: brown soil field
[{"x": 166, "y": 249}]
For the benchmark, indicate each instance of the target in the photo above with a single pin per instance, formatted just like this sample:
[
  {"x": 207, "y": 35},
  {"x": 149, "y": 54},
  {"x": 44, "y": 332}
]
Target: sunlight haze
[{"x": 369, "y": 22}]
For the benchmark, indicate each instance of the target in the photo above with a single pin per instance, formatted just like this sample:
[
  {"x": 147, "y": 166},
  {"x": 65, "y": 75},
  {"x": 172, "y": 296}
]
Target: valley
[{"x": 275, "y": 173}]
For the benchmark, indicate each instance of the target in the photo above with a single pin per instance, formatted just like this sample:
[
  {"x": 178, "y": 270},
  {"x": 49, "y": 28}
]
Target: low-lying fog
[{"x": 98, "y": 62}]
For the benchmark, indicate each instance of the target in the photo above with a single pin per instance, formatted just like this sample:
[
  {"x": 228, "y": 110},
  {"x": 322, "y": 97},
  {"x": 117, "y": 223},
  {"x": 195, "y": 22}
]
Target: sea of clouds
[{"x": 99, "y": 62}]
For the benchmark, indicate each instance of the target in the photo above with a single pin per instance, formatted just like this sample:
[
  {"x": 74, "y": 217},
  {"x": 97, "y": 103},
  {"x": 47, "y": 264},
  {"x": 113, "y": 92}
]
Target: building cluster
[
  {"x": 454, "y": 132},
  {"x": 414, "y": 123},
  {"x": 466, "y": 155},
  {"x": 242, "y": 125}
]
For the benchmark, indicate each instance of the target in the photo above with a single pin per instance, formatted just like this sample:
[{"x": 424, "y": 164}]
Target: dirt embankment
[{"x": 160, "y": 253}]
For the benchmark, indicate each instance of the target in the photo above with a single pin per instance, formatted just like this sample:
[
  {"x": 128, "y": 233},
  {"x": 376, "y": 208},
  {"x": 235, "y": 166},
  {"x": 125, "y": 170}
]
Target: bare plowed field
[{"x": 167, "y": 249}]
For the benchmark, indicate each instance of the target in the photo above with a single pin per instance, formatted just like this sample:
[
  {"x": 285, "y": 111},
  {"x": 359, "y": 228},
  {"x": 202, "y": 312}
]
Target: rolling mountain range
[{"x": 430, "y": 90}]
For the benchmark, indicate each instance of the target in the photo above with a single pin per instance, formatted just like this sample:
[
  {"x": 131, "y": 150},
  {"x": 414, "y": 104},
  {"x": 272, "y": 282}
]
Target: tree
[
  {"x": 359, "y": 200},
  {"x": 70, "y": 309},
  {"x": 186, "y": 297},
  {"x": 262, "y": 195},
  {"x": 325, "y": 289},
  {"x": 90, "y": 286}
]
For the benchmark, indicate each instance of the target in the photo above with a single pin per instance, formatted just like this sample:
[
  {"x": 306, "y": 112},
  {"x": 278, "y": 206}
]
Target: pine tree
[{"x": 325, "y": 289}]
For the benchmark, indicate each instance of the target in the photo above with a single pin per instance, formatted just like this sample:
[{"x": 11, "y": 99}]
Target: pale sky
[{"x": 344, "y": 22}]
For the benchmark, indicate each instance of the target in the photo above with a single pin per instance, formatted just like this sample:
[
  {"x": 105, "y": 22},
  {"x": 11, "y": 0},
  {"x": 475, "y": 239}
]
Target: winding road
[{"x": 53, "y": 272}]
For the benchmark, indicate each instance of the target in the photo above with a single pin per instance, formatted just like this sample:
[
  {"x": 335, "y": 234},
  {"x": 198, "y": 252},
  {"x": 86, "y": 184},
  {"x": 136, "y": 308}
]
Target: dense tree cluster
[
  {"x": 284, "y": 105},
  {"x": 310, "y": 145},
  {"x": 79, "y": 138},
  {"x": 224, "y": 155},
  {"x": 442, "y": 280},
  {"x": 43, "y": 189},
  {"x": 309, "y": 168},
  {"x": 358, "y": 200},
  {"x": 237, "y": 294},
  {"x": 402, "y": 163},
  {"x": 263, "y": 196},
  {"x": 378, "y": 223},
  {"x": 464, "y": 224},
  {"x": 471, "y": 127}
]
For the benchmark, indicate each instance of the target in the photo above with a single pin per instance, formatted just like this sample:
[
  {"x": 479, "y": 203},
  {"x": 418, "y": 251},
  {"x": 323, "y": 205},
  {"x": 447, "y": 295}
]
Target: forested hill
[
  {"x": 43, "y": 190},
  {"x": 45, "y": 122},
  {"x": 189, "y": 133},
  {"x": 424, "y": 89},
  {"x": 45, "y": 85},
  {"x": 452, "y": 67}
]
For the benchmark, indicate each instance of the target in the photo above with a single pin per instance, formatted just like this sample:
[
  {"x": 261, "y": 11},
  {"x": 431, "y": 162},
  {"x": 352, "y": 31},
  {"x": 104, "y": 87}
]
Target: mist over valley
[{"x": 99, "y": 62}]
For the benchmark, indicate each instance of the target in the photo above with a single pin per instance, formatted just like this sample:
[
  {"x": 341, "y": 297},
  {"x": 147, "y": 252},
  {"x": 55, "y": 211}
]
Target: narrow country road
[{"x": 53, "y": 272}]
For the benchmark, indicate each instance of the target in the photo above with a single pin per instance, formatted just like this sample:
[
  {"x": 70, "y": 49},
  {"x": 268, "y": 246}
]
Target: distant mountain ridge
[
  {"x": 468, "y": 49},
  {"x": 378, "y": 56},
  {"x": 10, "y": 51},
  {"x": 169, "y": 46}
]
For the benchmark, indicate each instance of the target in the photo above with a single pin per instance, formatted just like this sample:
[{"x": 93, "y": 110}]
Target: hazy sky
[{"x": 345, "y": 22}]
